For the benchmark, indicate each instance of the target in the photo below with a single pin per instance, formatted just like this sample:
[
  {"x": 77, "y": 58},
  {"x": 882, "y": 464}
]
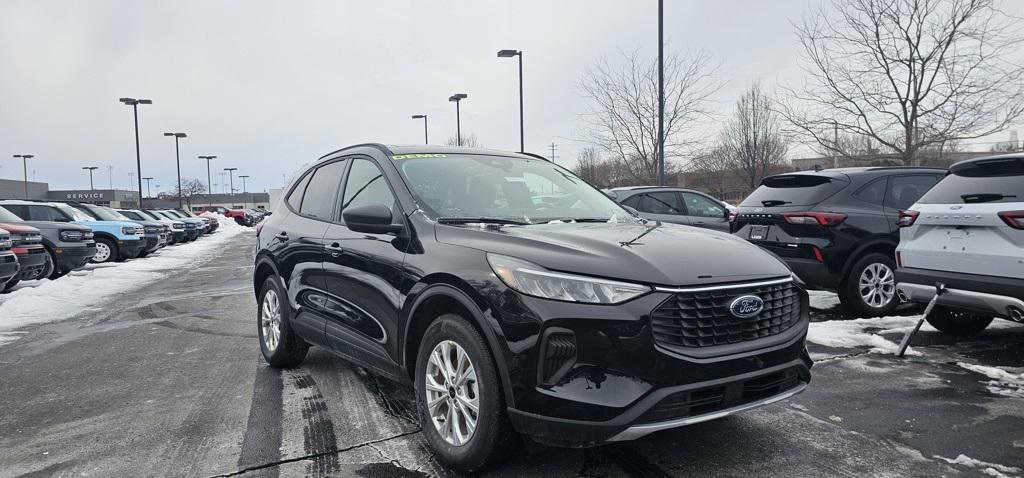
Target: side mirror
[{"x": 373, "y": 219}]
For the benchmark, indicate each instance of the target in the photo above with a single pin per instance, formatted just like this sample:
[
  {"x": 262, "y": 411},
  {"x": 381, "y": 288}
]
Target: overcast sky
[{"x": 268, "y": 86}]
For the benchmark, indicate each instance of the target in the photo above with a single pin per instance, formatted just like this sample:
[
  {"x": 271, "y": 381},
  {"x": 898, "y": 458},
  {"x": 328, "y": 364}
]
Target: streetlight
[
  {"x": 24, "y": 165},
  {"x": 90, "y": 169},
  {"x": 177, "y": 160},
  {"x": 661, "y": 94},
  {"x": 134, "y": 103},
  {"x": 148, "y": 193},
  {"x": 245, "y": 199},
  {"x": 426, "y": 140},
  {"x": 510, "y": 54},
  {"x": 457, "y": 97},
  {"x": 209, "y": 182},
  {"x": 231, "y": 173}
]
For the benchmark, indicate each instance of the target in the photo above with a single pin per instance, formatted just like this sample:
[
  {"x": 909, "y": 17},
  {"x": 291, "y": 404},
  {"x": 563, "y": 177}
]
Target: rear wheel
[
  {"x": 280, "y": 346},
  {"x": 106, "y": 251},
  {"x": 954, "y": 322},
  {"x": 459, "y": 397},
  {"x": 10, "y": 284},
  {"x": 870, "y": 288}
]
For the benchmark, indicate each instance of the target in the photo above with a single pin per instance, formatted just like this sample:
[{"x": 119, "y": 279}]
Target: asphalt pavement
[{"x": 168, "y": 381}]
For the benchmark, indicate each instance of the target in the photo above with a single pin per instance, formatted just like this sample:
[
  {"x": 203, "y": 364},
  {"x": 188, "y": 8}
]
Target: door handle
[{"x": 335, "y": 249}]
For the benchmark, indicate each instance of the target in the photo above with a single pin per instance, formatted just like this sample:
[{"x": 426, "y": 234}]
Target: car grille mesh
[{"x": 703, "y": 319}]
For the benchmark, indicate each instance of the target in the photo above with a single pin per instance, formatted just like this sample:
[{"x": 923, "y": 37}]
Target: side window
[
  {"x": 633, "y": 201},
  {"x": 904, "y": 191},
  {"x": 702, "y": 206},
  {"x": 662, "y": 203},
  {"x": 873, "y": 192},
  {"x": 366, "y": 186},
  {"x": 19, "y": 210},
  {"x": 295, "y": 198},
  {"x": 321, "y": 193}
]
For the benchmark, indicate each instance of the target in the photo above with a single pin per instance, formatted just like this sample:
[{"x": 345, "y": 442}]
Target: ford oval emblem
[
  {"x": 758, "y": 209},
  {"x": 955, "y": 207},
  {"x": 746, "y": 306}
]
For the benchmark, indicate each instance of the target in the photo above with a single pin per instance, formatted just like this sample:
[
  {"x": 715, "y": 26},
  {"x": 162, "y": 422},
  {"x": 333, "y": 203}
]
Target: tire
[
  {"x": 954, "y": 322},
  {"x": 48, "y": 268},
  {"x": 869, "y": 290},
  {"x": 54, "y": 272},
  {"x": 492, "y": 436},
  {"x": 110, "y": 255},
  {"x": 280, "y": 346}
]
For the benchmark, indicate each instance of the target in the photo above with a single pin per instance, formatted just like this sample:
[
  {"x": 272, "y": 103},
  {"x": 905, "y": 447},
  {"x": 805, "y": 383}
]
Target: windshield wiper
[
  {"x": 773, "y": 202},
  {"x": 579, "y": 219},
  {"x": 984, "y": 197},
  {"x": 482, "y": 220}
]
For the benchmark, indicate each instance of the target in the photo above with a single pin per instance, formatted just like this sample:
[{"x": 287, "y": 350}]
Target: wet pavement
[{"x": 168, "y": 381}]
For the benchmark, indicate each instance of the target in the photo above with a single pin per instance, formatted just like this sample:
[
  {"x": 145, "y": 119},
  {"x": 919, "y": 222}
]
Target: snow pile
[
  {"x": 1003, "y": 383},
  {"x": 864, "y": 333},
  {"x": 822, "y": 300},
  {"x": 990, "y": 469},
  {"x": 86, "y": 289}
]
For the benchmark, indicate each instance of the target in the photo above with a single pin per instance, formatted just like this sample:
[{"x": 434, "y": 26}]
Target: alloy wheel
[
  {"x": 877, "y": 285},
  {"x": 102, "y": 252},
  {"x": 270, "y": 320},
  {"x": 452, "y": 392}
]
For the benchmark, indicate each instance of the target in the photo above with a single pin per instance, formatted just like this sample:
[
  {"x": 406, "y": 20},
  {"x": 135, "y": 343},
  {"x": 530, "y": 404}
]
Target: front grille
[
  {"x": 703, "y": 319},
  {"x": 692, "y": 403}
]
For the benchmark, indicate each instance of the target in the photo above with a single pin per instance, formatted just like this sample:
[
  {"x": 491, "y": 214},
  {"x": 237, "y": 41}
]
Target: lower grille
[
  {"x": 703, "y": 319},
  {"x": 693, "y": 403}
]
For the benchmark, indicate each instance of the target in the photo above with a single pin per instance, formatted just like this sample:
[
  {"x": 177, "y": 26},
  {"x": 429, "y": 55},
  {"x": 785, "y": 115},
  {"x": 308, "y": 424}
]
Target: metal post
[
  {"x": 177, "y": 161},
  {"x": 426, "y": 138},
  {"x": 138, "y": 154},
  {"x": 661, "y": 93},
  {"x": 458, "y": 125},
  {"x": 522, "y": 143},
  {"x": 24, "y": 167}
]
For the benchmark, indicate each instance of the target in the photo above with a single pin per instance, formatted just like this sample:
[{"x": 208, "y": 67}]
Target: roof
[
  {"x": 394, "y": 149},
  {"x": 1000, "y": 158},
  {"x": 638, "y": 188}
]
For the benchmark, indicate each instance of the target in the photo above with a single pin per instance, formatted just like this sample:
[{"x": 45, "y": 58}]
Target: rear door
[
  {"x": 959, "y": 225},
  {"x": 703, "y": 211},
  {"x": 663, "y": 206}
]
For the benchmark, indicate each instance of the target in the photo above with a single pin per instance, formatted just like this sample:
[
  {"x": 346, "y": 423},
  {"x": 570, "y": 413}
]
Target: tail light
[
  {"x": 907, "y": 218},
  {"x": 827, "y": 219},
  {"x": 817, "y": 254},
  {"x": 732, "y": 216},
  {"x": 1014, "y": 219}
]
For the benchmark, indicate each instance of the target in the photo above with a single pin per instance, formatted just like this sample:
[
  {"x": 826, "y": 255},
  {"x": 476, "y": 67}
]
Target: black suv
[
  {"x": 837, "y": 228},
  {"x": 572, "y": 322}
]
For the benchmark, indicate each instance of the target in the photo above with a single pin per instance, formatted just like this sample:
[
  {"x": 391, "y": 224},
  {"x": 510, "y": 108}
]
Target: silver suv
[{"x": 967, "y": 233}]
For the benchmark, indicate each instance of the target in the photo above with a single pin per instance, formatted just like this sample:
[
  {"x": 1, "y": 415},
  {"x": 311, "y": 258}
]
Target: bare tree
[
  {"x": 189, "y": 189},
  {"x": 909, "y": 74},
  {"x": 589, "y": 165},
  {"x": 468, "y": 141},
  {"x": 623, "y": 117},
  {"x": 710, "y": 169},
  {"x": 751, "y": 139}
]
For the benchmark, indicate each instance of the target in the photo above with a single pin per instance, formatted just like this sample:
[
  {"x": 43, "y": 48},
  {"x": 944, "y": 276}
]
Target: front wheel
[
  {"x": 280, "y": 346},
  {"x": 106, "y": 251},
  {"x": 954, "y": 322},
  {"x": 459, "y": 398},
  {"x": 870, "y": 288}
]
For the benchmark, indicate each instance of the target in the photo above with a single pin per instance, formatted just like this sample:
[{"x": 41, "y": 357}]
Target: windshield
[
  {"x": 74, "y": 213},
  {"x": 8, "y": 216},
  {"x": 172, "y": 214},
  {"x": 149, "y": 215},
  {"x": 503, "y": 188},
  {"x": 105, "y": 214}
]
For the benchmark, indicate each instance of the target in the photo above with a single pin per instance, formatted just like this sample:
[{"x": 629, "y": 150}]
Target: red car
[
  {"x": 239, "y": 215},
  {"x": 27, "y": 244}
]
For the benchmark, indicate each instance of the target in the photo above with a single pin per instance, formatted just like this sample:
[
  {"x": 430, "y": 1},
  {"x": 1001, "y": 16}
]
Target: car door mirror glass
[{"x": 373, "y": 219}]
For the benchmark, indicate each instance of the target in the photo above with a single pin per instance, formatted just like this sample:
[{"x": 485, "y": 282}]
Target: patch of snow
[
  {"x": 51, "y": 301},
  {"x": 864, "y": 333},
  {"x": 991, "y": 469},
  {"x": 823, "y": 300},
  {"x": 1003, "y": 383},
  {"x": 798, "y": 407},
  {"x": 835, "y": 418}
]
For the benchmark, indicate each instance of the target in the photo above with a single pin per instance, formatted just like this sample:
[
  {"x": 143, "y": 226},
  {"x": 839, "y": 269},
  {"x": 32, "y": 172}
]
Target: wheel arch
[
  {"x": 883, "y": 246},
  {"x": 265, "y": 268},
  {"x": 432, "y": 301}
]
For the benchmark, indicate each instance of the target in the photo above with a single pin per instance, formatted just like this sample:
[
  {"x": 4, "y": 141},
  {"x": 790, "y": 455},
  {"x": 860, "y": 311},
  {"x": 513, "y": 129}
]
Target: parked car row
[
  {"x": 46, "y": 240},
  {"x": 244, "y": 217}
]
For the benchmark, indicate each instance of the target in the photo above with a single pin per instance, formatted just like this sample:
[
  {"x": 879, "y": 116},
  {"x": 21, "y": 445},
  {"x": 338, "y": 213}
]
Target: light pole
[
  {"x": 458, "y": 97},
  {"x": 148, "y": 193},
  {"x": 510, "y": 54},
  {"x": 661, "y": 93},
  {"x": 110, "y": 175},
  {"x": 177, "y": 160},
  {"x": 245, "y": 199},
  {"x": 231, "y": 175},
  {"x": 426, "y": 139},
  {"x": 134, "y": 103},
  {"x": 209, "y": 182},
  {"x": 24, "y": 166},
  {"x": 90, "y": 169}
]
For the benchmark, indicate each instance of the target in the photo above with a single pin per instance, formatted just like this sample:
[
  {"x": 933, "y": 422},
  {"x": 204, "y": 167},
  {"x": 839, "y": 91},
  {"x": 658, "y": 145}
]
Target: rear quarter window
[{"x": 794, "y": 190}]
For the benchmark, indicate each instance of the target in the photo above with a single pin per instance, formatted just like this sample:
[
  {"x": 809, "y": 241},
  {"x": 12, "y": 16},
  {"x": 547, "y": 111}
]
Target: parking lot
[{"x": 167, "y": 379}]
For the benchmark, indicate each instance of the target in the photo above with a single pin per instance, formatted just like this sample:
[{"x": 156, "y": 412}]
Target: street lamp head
[
  {"x": 168, "y": 134},
  {"x": 28, "y": 156},
  {"x": 244, "y": 176},
  {"x": 128, "y": 101},
  {"x": 418, "y": 116},
  {"x": 145, "y": 102},
  {"x": 458, "y": 97},
  {"x": 181, "y": 135},
  {"x": 231, "y": 169},
  {"x": 508, "y": 53},
  {"x": 207, "y": 157},
  {"x": 90, "y": 168},
  {"x": 149, "y": 178}
]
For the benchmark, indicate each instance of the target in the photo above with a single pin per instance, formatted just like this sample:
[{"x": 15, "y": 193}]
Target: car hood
[
  {"x": 651, "y": 253},
  {"x": 18, "y": 228}
]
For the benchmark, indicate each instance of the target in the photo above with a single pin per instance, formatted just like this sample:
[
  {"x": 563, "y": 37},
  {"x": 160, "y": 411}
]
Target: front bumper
[
  {"x": 179, "y": 235},
  {"x": 71, "y": 257},
  {"x": 155, "y": 241},
  {"x": 8, "y": 267},
  {"x": 130, "y": 249},
  {"x": 999, "y": 296},
  {"x": 32, "y": 261}
]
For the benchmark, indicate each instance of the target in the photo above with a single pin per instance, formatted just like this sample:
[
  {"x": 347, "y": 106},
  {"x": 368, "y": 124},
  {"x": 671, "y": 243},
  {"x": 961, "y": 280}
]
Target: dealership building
[{"x": 120, "y": 198}]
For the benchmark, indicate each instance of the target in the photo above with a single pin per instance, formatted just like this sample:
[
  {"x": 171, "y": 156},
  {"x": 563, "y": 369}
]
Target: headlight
[
  {"x": 531, "y": 279},
  {"x": 128, "y": 230},
  {"x": 178, "y": 225},
  {"x": 6, "y": 243},
  {"x": 71, "y": 236},
  {"x": 17, "y": 238},
  {"x": 88, "y": 235}
]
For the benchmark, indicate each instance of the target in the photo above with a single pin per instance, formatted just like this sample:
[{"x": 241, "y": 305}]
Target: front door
[
  {"x": 705, "y": 212},
  {"x": 363, "y": 273}
]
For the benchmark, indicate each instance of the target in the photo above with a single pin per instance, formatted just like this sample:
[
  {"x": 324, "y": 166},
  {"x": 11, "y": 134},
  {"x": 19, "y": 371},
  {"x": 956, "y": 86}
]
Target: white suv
[{"x": 967, "y": 233}]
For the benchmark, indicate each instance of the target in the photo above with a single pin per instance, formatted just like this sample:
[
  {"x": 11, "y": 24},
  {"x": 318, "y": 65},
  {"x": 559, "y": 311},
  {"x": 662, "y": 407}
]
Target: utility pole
[
  {"x": 24, "y": 166},
  {"x": 245, "y": 199},
  {"x": 90, "y": 169},
  {"x": 149, "y": 194},
  {"x": 209, "y": 181},
  {"x": 134, "y": 103},
  {"x": 231, "y": 174},
  {"x": 110, "y": 175},
  {"x": 661, "y": 93},
  {"x": 177, "y": 160},
  {"x": 553, "y": 146}
]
